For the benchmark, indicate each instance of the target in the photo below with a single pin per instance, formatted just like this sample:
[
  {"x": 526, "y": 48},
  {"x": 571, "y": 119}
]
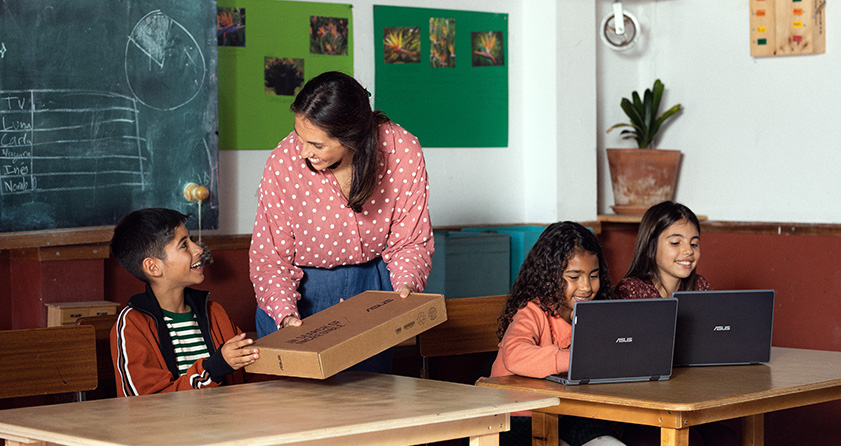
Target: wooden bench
[
  {"x": 104, "y": 366},
  {"x": 102, "y": 329},
  {"x": 470, "y": 328},
  {"x": 45, "y": 361}
]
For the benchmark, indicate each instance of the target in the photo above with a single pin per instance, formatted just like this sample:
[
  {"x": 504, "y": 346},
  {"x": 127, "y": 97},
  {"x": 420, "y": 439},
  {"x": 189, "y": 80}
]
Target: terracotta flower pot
[{"x": 642, "y": 178}]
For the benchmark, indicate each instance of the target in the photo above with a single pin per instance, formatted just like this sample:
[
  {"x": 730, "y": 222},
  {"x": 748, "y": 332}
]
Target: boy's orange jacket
[{"x": 144, "y": 358}]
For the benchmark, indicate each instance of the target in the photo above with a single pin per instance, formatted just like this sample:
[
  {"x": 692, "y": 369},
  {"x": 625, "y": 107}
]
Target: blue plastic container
[
  {"x": 469, "y": 264},
  {"x": 522, "y": 238}
]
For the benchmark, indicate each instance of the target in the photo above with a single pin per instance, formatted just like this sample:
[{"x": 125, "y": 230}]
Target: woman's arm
[
  {"x": 409, "y": 248},
  {"x": 274, "y": 276}
]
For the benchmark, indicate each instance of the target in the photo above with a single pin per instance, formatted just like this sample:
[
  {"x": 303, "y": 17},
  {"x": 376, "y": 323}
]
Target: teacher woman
[{"x": 342, "y": 207}]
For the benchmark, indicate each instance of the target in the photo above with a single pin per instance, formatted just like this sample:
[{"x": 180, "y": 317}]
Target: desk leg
[
  {"x": 485, "y": 440},
  {"x": 674, "y": 437},
  {"x": 753, "y": 430},
  {"x": 544, "y": 429}
]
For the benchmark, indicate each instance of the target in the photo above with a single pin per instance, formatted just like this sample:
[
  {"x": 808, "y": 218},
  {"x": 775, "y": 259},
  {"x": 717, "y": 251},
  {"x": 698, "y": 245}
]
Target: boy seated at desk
[{"x": 171, "y": 337}]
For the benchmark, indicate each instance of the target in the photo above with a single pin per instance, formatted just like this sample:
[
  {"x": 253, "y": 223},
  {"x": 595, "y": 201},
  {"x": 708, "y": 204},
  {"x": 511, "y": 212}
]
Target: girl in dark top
[
  {"x": 666, "y": 254},
  {"x": 665, "y": 260}
]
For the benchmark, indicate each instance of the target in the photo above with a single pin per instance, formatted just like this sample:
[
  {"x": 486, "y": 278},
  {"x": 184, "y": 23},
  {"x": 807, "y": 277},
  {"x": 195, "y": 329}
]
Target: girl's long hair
[
  {"x": 541, "y": 276},
  {"x": 656, "y": 220},
  {"x": 337, "y": 104}
]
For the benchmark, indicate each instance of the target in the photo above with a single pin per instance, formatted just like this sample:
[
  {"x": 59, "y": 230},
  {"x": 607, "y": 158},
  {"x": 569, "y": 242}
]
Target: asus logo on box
[
  {"x": 624, "y": 340},
  {"x": 721, "y": 328}
]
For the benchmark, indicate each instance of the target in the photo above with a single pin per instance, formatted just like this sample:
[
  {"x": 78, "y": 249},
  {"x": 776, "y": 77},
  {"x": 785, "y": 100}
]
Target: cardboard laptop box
[{"x": 347, "y": 333}]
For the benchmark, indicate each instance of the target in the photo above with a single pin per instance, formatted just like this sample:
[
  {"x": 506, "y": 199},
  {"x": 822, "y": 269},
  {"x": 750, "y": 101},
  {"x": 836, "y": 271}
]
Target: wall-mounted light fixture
[{"x": 619, "y": 30}]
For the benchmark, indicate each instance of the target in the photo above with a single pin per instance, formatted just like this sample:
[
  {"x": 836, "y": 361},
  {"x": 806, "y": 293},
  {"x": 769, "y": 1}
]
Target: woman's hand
[
  {"x": 405, "y": 290},
  {"x": 290, "y": 321}
]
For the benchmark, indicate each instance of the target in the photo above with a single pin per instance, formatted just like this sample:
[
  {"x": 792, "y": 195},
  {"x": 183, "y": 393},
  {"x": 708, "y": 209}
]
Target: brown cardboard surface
[{"x": 347, "y": 333}]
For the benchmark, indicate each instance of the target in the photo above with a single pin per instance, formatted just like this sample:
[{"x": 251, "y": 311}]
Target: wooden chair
[
  {"x": 45, "y": 361},
  {"x": 104, "y": 366},
  {"x": 470, "y": 328}
]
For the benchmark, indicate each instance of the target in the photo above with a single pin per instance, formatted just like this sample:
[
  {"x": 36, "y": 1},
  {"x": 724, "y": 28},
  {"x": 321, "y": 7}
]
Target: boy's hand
[{"x": 236, "y": 351}]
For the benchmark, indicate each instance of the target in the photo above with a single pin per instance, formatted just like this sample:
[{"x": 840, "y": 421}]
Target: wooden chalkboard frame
[
  {"x": 87, "y": 243},
  {"x": 58, "y": 244}
]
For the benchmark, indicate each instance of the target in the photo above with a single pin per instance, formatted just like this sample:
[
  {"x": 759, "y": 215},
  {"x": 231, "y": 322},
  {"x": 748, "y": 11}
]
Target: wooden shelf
[
  {"x": 66, "y": 313},
  {"x": 616, "y": 218}
]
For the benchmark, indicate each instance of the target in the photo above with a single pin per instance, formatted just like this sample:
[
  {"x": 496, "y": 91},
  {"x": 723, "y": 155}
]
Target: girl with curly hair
[{"x": 564, "y": 266}]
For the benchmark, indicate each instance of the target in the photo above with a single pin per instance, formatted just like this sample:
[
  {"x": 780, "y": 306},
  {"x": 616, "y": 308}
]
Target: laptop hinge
[
  {"x": 654, "y": 378},
  {"x": 584, "y": 381}
]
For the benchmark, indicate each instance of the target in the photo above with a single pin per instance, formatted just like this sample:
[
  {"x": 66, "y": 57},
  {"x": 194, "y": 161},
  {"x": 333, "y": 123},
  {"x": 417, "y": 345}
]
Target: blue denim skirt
[{"x": 321, "y": 288}]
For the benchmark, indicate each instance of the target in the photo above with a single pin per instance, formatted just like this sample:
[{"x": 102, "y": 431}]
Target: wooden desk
[
  {"x": 359, "y": 408},
  {"x": 694, "y": 395}
]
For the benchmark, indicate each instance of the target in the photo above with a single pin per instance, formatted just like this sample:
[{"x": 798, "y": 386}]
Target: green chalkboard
[{"x": 105, "y": 107}]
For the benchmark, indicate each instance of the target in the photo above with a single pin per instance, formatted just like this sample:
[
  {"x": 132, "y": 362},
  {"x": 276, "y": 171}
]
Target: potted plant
[{"x": 644, "y": 176}]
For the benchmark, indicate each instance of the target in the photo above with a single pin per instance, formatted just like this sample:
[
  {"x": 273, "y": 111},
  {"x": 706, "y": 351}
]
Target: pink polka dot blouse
[{"x": 303, "y": 220}]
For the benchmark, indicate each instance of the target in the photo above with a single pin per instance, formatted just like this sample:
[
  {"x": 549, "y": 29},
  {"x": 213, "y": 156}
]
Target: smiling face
[
  {"x": 582, "y": 280},
  {"x": 182, "y": 265},
  {"x": 317, "y": 147},
  {"x": 678, "y": 252}
]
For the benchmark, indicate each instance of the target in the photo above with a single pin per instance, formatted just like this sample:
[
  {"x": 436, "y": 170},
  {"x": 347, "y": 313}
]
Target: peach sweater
[{"x": 534, "y": 345}]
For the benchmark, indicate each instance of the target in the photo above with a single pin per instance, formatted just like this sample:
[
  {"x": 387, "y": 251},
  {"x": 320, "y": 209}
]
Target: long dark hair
[
  {"x": 541, "y": 275},
  {"x": 337, "y": 104},
  {"x": 656, "y": 220}
]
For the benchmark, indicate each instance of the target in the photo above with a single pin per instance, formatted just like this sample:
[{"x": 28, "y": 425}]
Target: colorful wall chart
[
  {"x": 443, "y": 74},
  {"x": 267, "y": 51},
  {"x": 787, "y": 27}
]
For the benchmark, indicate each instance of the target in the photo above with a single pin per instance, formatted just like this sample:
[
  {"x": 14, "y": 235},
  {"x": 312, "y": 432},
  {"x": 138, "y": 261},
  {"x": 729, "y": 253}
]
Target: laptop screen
[
  {"x": 724, "y": 327},
  {"x": 622, "y": 340}
]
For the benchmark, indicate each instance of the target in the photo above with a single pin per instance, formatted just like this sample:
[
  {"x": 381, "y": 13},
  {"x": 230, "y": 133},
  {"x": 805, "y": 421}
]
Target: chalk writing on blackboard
[
  {"x": 162, "y": 51},
  {"x": 65, "y": 140}
]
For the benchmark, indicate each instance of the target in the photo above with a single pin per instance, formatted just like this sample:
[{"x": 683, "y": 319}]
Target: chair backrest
[
  {"x": 470, "y": 328},
  {"x": 44, "y": 361},
  {"x": 102, "y": 327}
]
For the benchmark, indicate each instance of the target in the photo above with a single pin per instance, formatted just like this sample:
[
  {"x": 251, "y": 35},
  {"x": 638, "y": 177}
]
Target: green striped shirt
[{"x": 186, "y": 338}]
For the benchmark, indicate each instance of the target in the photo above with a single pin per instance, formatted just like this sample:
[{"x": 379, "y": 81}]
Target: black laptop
[
  {"x": 621, "y": 341},
  {"x": 724, "y": 327}
]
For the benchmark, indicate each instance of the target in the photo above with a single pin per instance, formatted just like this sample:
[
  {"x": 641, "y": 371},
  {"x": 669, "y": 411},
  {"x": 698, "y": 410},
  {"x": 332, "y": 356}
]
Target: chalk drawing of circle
[{"x": 165, "y": 67}]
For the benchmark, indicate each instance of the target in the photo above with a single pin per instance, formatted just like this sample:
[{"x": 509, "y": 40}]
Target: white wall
[
  {"x": 530, "y": 181},
  {"x": 760, "y": 136},
  {"x": 576, "y": 183}
]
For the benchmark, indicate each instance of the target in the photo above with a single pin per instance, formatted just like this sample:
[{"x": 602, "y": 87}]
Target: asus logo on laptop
[
  {"x": 721, "y": 328},
  {"x": 624, "y": 340}
]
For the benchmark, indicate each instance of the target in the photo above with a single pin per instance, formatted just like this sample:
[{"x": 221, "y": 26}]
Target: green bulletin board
[
  {"x": 465, "y": 105},
  {"x": 252, "y": 116}
]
